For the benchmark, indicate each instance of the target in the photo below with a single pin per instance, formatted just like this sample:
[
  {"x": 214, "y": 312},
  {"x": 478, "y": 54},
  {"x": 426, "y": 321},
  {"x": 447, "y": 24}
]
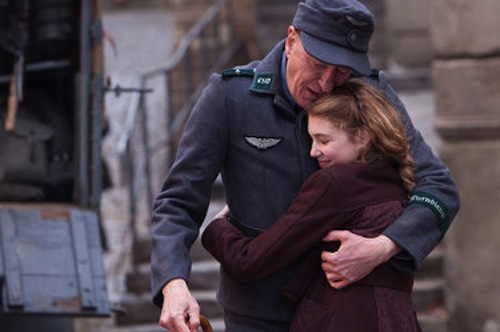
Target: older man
[{"x": 250, "y": 125}]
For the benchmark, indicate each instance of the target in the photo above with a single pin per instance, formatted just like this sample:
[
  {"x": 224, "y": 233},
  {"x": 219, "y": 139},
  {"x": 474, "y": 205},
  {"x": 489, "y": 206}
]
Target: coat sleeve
[
  {"x": 309, "y": 218},
  {"x": 434, "y": 203},
  {"x": 180, "y": 207}
]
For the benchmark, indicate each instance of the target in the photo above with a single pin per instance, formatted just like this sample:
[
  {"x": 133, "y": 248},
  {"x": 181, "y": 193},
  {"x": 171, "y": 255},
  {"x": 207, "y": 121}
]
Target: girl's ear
[
  {"x": 363, "y": 141},
  {"x": 363, "y": 138}
]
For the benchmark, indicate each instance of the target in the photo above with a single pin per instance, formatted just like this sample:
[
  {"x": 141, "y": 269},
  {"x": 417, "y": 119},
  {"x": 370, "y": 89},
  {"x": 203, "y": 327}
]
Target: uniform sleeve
[
  {"x": 180, "y": 207},
  {"x": 307, "y": 221},
  {"x": 434, "y": 203}
]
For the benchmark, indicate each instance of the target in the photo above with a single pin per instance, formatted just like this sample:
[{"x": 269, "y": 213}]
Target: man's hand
[
  {"x": 356, "y": 257},
  {"x": 180, "y": 311}
]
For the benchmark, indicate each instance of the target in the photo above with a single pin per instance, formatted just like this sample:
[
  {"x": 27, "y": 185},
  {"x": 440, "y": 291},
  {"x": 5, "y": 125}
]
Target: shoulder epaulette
[{"x": 237, "y": 72}]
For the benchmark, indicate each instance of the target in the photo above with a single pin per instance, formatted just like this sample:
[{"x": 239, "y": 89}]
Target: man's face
[{"x": 307, "y": 77}]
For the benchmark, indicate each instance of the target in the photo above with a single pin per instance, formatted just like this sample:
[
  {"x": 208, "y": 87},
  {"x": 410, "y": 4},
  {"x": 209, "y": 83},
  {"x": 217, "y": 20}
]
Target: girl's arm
[{"x": 309, "y": 218}]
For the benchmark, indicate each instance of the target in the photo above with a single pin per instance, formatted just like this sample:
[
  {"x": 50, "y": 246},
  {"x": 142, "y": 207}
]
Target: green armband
[{"x": 435, "y": 205}]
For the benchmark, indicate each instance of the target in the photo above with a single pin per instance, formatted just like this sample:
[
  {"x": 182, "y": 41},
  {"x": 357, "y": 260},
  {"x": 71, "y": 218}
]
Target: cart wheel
[{"x": 205, "y": 324}]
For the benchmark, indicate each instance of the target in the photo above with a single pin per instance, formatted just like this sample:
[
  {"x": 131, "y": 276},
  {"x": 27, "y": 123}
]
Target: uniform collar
[
  {"x": 267, "y": 78},
  {"x": 273, "y": 64},
  {"x": 283, "y": 80}
]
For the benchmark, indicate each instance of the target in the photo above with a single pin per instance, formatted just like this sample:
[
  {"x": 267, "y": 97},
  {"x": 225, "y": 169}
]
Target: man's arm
[
  {"x": 434, "y": 203},
  {"x": 417, "y": 231},
  {"x": 181, "y": 205}
]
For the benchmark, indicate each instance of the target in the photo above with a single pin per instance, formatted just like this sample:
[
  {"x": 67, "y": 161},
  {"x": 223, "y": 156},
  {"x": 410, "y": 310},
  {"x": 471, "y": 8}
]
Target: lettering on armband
[{"x": 435, "y": 205}]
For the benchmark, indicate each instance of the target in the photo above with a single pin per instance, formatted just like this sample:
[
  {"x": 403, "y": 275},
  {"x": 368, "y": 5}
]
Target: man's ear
[{"x": 291, "y": 39}]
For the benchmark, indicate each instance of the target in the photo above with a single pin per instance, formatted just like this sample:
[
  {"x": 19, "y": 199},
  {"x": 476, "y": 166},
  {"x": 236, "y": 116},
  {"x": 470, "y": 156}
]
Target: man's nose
[{"x": 327, "y": 79}]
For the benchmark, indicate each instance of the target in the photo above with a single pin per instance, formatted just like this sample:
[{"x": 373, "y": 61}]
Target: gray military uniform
[{"x": 245, "y": 127}]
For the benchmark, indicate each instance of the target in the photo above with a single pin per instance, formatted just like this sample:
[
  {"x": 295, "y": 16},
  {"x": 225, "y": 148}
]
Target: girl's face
[{"x": 331, "y": 145}]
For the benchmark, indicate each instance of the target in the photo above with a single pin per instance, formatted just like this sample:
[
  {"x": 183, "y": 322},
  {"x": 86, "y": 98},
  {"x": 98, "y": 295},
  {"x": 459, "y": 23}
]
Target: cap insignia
[{"x": 356, "y": 22}]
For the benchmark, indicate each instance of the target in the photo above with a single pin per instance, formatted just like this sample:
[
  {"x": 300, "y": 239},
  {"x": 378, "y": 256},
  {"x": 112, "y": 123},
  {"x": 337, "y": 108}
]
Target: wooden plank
[
  {"x": 12, "y": 268},
  {"x": 82, "y": 260}
]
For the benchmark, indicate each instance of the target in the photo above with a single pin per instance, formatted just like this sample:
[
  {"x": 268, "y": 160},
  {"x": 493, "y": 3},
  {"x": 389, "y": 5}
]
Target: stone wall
[
  {"x": 407, "y": 32},
  {"x": 466, "y": 71}
]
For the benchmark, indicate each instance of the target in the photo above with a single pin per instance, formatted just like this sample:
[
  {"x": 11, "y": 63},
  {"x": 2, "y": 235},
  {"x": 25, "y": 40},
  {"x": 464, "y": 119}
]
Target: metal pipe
[{"x": 83, "y": 107}]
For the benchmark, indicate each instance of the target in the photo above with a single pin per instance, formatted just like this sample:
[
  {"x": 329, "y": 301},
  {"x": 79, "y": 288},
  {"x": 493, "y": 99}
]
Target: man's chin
[{"x": 307, "y": 104}]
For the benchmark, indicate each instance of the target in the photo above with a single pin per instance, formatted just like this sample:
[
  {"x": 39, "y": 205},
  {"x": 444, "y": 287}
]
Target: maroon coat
[{"x": 358, "y": 197}]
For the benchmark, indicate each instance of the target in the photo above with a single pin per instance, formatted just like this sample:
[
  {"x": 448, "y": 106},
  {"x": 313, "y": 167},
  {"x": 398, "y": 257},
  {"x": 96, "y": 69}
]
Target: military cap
[{"x": 336, "y": 32}]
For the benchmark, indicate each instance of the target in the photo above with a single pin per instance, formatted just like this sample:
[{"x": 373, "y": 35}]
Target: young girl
[{"x": 364, "y": 183}]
